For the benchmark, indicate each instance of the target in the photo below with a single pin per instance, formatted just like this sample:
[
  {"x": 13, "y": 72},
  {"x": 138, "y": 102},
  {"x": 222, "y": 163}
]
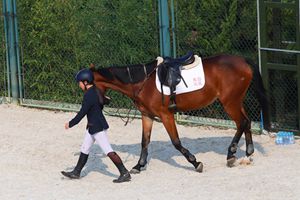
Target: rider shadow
[
  {"x": 95, "y": 163},
  {"x": 165, "y": 151}
]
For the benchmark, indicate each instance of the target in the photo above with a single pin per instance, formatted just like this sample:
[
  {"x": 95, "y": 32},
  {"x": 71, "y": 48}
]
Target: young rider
[{"x": 97, "y": 126}]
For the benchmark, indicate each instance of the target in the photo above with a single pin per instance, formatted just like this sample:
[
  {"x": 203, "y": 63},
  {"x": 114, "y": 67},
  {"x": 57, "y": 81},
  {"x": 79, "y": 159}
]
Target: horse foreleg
[
  {"x": 243, "y": 126},
  {"x": 169, "y": 123},
  {"x": 249, "y": 143},
  {"x": 146, "y": 134}
]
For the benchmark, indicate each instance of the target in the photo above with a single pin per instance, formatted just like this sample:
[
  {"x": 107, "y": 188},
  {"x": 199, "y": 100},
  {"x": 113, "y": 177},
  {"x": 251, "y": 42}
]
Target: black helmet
[{"x": 85, "y": 75}]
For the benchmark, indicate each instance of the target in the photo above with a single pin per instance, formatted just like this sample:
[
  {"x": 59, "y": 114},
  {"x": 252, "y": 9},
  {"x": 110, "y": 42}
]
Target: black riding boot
[
  {"x": 75, "y": 174},
  {"x": 124, "y": 174}
]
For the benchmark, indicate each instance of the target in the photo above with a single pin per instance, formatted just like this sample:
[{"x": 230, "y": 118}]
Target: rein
[
  {"x": 145, "y": 80},
  {"x": 135, "y": 95}
]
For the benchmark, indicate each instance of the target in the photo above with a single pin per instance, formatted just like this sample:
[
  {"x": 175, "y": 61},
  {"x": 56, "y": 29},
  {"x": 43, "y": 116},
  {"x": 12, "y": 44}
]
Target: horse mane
[{"x": 128, "y": 74}]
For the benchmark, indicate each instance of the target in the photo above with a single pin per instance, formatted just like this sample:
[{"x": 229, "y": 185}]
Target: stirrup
[{"x": 172, "y": 107}]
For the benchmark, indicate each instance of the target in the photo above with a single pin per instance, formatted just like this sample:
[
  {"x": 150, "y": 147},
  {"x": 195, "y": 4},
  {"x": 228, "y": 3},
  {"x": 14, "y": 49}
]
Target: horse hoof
[
  {"x": 231, "y": 162},
  {"x": 134, "y": 171},
  {"x": 246, "y": 160},
  {"x": 199, "y": 168}
]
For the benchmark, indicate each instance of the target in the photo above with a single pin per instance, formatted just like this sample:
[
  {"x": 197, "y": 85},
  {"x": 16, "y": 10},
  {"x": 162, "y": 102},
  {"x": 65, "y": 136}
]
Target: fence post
[
  {"x": 6, "y": 49},
  {"x": 17, "y": 50},
  {"x": 165, "y": 46},
  {"x": 12, "y": 49},
  {"x": 173, "y": 29}
]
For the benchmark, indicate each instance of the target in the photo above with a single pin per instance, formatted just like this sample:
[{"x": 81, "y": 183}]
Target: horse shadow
[{"x": 165, "y": 152}]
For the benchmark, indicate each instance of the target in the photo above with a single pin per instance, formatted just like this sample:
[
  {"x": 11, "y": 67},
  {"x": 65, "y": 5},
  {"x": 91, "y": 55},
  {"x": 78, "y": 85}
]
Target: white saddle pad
[{"x": 193, "y": 77}]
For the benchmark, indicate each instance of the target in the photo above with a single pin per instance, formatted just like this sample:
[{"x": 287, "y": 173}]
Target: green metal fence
[{"x": 280, "y": 60}]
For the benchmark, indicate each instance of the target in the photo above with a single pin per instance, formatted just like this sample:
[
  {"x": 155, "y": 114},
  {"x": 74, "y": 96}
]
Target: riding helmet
[{"x": 85, "y": 75}]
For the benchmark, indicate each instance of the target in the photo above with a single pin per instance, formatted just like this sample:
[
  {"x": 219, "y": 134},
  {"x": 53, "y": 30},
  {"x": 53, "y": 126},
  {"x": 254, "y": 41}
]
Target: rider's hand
[{"x": 67, "y": 125}]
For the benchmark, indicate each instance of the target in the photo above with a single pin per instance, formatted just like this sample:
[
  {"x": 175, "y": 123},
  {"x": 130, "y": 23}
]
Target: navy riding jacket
[{"x": 92, "y": 107}]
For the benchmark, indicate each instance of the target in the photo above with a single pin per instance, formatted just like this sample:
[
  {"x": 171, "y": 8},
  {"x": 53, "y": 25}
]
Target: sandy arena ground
[{"x": 34, "y": 148}]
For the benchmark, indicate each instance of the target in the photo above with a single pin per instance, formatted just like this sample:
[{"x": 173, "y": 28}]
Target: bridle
[
  {"x": 145, "y": 80},
  {"x": 136, "y": 93}
]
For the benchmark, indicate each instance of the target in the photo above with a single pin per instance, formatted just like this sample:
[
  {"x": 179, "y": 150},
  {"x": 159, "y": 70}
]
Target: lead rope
[{"x": 126, "y": 119}]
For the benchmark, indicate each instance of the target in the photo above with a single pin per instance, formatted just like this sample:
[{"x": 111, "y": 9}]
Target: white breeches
[{"x": 100, "y": 138}]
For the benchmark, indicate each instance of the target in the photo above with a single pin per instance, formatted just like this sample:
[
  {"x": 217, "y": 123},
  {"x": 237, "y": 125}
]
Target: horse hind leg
[
  {"x": 246, "y": 128},
  {"x": 249, "y": 141},
  {"x": 235, "y": 111}
]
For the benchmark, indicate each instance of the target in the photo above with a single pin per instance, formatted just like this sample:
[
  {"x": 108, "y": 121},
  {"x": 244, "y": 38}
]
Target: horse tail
[{"x": 261, "y": 94}]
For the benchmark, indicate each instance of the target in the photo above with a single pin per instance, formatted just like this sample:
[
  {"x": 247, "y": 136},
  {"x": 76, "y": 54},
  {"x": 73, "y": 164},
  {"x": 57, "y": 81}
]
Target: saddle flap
[
  {"x": 168, "y": 76},
  {"x": 192, "y": 79},
  {"x": 169, "y": 72}
]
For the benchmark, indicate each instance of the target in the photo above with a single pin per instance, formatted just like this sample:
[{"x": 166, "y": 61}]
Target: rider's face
[{"x": 81, "y": 85}]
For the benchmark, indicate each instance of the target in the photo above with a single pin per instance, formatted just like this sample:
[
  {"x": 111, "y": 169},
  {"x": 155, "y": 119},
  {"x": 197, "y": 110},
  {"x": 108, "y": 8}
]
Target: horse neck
[
  {"x": 131, "y": 90},
  {"x": 126, "y": 89}
]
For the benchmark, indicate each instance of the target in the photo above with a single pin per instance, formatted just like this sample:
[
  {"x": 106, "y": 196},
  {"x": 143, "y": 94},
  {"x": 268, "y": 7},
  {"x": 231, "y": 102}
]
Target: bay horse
[{"x": 227, "y": 78}]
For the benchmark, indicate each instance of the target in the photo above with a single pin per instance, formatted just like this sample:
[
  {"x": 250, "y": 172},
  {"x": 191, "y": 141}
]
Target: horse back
[{"x": 227, "y": 70}]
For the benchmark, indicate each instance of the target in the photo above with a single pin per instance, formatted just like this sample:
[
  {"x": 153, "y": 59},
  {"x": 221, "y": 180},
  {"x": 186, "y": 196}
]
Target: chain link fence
[{"x": 281, "y": 61}]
